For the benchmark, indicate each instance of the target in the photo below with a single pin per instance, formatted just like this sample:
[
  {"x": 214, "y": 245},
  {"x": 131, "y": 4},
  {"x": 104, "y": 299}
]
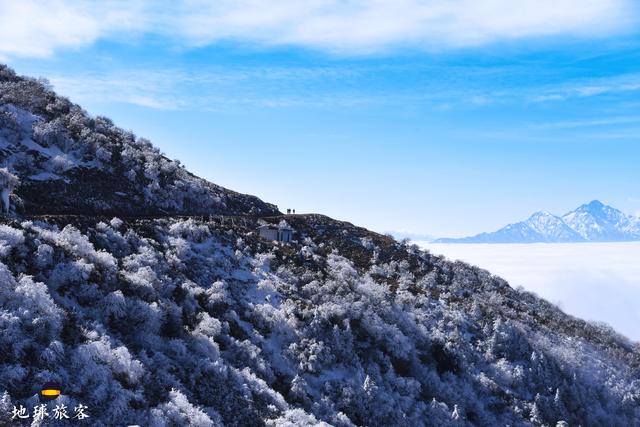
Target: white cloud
[
  {"x": 594, "y": 281},
  {"x": 33, "y": 28}
]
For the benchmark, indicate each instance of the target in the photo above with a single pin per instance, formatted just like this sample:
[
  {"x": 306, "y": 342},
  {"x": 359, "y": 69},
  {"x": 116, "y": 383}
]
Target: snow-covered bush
[
  {"x": 8, "y": 182},
  {"x": 9, "y": 238}
]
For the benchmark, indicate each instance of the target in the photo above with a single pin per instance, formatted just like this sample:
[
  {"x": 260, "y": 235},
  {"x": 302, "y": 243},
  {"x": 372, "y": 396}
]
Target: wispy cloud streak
[
  {"x": 611, "y": 85},
  {"x": 216, "y": 89},
  {"x": 607, "y": 121}
]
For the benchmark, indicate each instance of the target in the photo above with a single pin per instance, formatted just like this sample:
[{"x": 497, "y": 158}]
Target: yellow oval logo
[{"x": 50, "y": 391}]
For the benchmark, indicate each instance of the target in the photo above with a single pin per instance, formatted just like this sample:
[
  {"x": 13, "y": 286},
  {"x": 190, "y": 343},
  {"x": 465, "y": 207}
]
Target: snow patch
[{"x": 45, "y": 176}]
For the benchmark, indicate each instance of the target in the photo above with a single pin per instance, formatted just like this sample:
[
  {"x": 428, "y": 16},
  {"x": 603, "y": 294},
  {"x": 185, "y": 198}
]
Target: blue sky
[{"x": 442, "y": 118}]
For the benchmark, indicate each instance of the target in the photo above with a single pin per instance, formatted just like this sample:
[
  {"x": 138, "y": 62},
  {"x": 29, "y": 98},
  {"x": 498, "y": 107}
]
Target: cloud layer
[{"x": 32, "y": 28}]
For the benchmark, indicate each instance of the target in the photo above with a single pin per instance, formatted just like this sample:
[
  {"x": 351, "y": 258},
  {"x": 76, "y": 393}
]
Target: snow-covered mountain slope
[
  {"x": 71, "y": 163},
  {"x": 184, "y": 322},
  {"x": 197, "y": 321},
  {"x": 592, "y": 222}
]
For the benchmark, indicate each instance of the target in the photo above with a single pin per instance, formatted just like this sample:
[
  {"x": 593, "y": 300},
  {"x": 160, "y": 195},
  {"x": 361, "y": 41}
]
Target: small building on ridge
[{"x": 280, "y": 233}]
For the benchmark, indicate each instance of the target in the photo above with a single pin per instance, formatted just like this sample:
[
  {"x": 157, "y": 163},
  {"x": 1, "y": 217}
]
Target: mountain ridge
[
  {"x": 590, "y": 222},
  {"x": 72, "y": 163}
]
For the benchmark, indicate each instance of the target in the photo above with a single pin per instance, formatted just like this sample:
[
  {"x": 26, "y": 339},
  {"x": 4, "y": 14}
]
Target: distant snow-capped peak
[
  {"x": 594, "y": 222},
  {"x": 551, "y": 227}
]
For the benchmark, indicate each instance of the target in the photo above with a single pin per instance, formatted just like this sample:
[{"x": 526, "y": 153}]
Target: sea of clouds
[{"x": 593, "y": 281}]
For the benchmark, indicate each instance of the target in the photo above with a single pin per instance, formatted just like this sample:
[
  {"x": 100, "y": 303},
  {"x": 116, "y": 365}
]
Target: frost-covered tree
[{"x": 8, "y": 182}]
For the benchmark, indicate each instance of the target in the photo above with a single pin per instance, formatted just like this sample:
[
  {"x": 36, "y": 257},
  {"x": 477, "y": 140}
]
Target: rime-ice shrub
[
  {"x": 179, "y": 411},
  {"x": 189, "y": 230},
  {"x": 116, "y": 223},
  {"x": 103, "y": 154},
  {"x": 10, "y": 238},
  {"x": 43, "y": 256},
  {"x": 78, "y": 245}
]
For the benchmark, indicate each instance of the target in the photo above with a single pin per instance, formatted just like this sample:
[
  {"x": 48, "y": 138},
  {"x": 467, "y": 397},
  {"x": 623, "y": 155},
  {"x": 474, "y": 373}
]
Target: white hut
[
  {"x": 8, "y": 182},
  {"x": 281, "y": 232}
]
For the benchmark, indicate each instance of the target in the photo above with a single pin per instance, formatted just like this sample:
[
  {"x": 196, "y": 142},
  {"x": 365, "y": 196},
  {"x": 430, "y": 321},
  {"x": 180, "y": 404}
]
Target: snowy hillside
[
  {"x": 71, "y": 163},
  {"x": 592, "y": 222},
  {"x": 192, "y": 321},
  {"x": 196, "y": 322}
]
